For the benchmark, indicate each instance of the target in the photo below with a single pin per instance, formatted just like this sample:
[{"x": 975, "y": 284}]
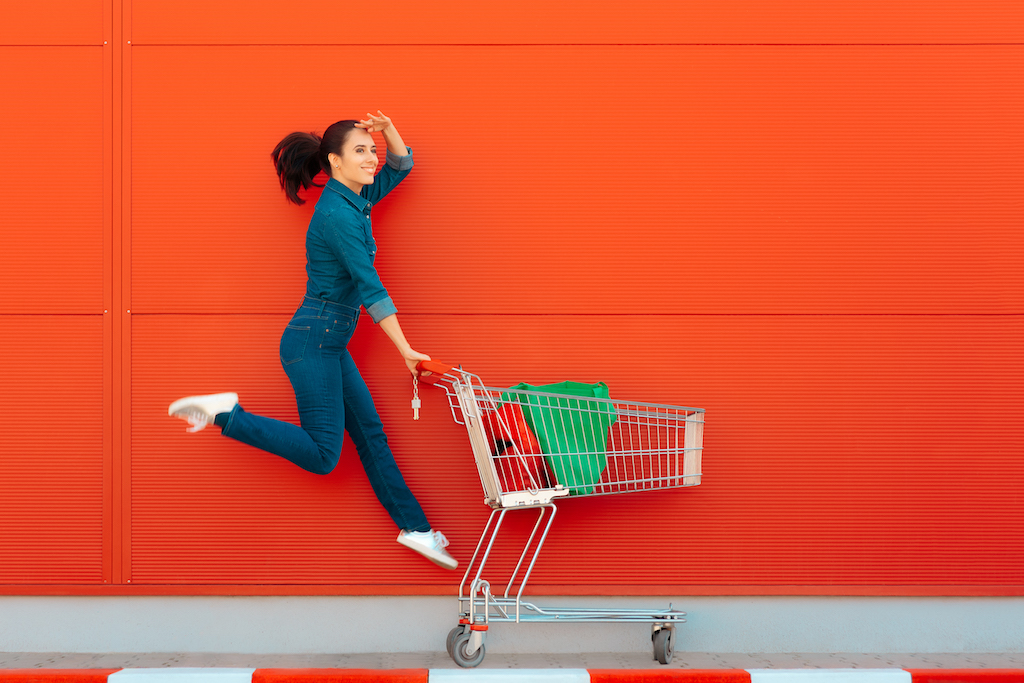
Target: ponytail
[
  {"x": 296, "y": 159},
  {"x": 300, "y": 156}
]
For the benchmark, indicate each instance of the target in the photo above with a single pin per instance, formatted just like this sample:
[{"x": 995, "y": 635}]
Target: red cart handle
[{"x": 434, "y": 366}]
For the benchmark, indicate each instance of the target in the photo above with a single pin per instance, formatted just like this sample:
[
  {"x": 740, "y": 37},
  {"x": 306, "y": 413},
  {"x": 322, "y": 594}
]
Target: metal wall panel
[
  {"x": 51, "y": 181},
  {"x": 576, "y": 21},
  {"x": 803, "y": 217},
  {"x": 870, "y": 451},
  {"x": 595, "y": 179},
  {"x": 51, "y": 454},
  {"x": 53, "y": 462},
  {"x": 56, "y": 22}
]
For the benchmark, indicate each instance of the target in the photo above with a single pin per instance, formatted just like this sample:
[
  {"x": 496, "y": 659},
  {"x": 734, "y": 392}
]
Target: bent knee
[{"x": 325, "y": 465}]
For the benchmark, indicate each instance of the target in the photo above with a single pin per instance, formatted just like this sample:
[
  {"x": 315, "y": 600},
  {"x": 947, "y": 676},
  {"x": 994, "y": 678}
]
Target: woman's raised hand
[{"x": 375, "y": 123}]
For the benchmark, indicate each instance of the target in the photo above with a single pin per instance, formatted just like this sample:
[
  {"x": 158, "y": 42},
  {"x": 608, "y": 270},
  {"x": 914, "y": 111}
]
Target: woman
[{"x": 330, "y": 394}]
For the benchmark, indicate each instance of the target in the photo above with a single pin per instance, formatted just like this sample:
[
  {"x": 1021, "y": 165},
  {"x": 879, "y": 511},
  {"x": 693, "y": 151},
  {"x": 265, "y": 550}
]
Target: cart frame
[{"x": 469, "y": 399}]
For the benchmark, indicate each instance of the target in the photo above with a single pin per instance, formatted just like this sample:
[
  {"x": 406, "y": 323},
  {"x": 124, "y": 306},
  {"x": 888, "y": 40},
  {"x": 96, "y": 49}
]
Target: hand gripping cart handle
[{"x": 531, "y": 447}]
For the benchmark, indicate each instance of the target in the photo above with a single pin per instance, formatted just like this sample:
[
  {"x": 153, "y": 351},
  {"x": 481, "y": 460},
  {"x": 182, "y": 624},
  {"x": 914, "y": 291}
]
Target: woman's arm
[
  {"x": 398, "y": 161},
  {"x": 395, "y": 144},
  {"x": 396, "y": 147},
  {"x": 394, "y": 331}
]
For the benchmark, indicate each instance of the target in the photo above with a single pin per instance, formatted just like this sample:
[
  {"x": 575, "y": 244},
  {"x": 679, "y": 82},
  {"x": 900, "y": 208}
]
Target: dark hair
[{"x": 300, "y": 156}]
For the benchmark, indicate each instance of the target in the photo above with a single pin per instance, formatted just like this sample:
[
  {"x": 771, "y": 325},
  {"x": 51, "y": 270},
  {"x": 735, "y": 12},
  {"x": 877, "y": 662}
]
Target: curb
[{"x": 241, "y": 675}]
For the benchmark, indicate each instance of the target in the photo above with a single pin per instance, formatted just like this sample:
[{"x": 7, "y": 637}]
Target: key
[{"x": 415, "y": 398}]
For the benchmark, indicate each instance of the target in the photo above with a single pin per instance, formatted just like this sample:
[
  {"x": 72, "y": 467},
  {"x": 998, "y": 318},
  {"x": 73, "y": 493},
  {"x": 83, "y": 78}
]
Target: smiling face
[{"x": 358, "y": 161}]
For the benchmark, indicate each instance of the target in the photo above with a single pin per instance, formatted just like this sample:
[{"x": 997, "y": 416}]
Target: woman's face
[{"x": 358, "y": 161}]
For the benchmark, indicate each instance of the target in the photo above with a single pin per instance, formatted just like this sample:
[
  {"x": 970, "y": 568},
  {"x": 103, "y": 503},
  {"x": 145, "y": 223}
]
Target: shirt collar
[{"x": 354, "y": 199}]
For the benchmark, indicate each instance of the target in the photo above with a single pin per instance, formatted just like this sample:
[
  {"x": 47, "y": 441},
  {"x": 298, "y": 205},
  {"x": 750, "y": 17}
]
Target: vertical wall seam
[
  {"x": 109, "y": 204},
  {"x": 125, "y": 279},
  {"x": 117, "y": 300}
]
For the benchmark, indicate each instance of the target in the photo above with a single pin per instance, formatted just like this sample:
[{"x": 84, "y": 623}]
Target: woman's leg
[
  {"x": 316, "y": 377},
  {"x": 367, "y": 433}
]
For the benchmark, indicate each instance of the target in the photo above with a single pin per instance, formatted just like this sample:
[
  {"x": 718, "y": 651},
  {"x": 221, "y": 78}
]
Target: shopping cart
[{"x": 532, "y": 447}]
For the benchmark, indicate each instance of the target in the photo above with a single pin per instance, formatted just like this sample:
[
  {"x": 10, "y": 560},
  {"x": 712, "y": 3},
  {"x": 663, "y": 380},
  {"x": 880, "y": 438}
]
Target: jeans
[{"x": 331, "y": 398}]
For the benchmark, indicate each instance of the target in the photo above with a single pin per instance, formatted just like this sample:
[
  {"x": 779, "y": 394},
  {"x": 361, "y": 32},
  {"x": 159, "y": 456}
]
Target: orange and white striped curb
[{"x": 244, "y": 675}]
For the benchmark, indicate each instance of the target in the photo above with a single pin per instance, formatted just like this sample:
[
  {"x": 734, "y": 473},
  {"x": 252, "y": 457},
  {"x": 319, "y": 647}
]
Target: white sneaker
[
  {"x": 200, "y": 410},
  {"x": 431, "y": 545}
]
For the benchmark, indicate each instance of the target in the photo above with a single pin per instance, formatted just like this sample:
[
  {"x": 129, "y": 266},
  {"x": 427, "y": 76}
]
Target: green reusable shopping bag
[{"x": 573, "y": 432}]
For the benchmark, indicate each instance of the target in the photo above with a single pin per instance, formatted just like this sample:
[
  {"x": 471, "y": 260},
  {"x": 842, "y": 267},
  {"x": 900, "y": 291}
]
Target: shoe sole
[
  {"x": 177, "y": 405},
  {"x": 425, "y": 552}
]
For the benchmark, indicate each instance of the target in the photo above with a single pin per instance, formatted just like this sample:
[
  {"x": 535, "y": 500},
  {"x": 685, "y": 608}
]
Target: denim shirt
[{"x": 340, "y": 248}]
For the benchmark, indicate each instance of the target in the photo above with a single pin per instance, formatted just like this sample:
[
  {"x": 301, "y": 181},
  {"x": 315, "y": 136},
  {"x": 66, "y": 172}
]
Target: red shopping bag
[{"x": 515, "y": 449}]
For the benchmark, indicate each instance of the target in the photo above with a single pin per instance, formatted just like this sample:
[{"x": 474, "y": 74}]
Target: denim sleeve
[
  {"x": 394, "y": 171},
  {"x": 347, "y": 240}
]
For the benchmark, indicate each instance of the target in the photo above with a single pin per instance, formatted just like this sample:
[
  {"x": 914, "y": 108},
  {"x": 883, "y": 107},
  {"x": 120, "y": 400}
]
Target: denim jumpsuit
[{"x": 331, "y": 395}]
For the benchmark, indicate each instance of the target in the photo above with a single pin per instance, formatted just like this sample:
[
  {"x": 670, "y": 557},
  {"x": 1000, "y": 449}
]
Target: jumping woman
[{"x": 330, "y": 394}]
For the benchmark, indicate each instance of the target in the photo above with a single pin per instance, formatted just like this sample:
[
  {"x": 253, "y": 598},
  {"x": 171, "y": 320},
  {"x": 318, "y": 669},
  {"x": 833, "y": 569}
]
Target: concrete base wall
[{"x": 345, "y": 624}]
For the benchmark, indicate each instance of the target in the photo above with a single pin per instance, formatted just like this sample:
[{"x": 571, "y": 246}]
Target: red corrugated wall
[{"x": 803, "y": 217}]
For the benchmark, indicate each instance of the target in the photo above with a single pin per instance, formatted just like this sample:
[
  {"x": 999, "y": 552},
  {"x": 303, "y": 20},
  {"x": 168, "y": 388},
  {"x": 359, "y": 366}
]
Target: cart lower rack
[{"x": 531, "y": 447}]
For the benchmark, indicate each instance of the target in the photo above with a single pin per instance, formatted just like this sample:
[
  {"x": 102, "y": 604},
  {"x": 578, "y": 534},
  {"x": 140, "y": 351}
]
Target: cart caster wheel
[
  {"x": 452, "y": 635},
  {"x": 663, "y": 645},
  {"x": 459, "y": 652}
]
